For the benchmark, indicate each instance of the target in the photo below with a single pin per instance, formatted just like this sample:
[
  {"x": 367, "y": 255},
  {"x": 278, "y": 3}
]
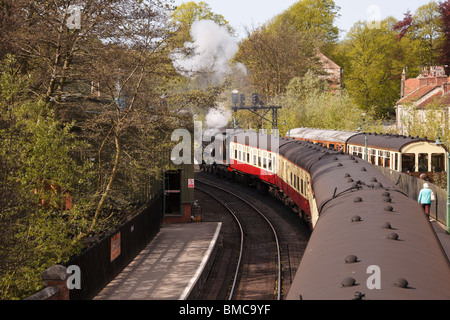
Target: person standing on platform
[{"x": 425, "y": 199}]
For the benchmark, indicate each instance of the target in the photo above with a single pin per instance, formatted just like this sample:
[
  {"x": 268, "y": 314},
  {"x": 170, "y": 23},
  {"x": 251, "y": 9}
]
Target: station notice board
[
  {"x": 191, "y": 183},
  {"x": 115, "y": 246}
]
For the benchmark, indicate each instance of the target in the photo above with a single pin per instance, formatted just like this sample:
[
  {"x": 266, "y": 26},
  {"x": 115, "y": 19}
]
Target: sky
[{"x": 252, "y": 13}]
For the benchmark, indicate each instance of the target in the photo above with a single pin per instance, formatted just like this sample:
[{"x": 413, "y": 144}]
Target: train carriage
[
  {"x": 255, "y": 154},
  {"x": 399, "y": 153},
  {"x": 370, "y": 241},
  {"x": 327, "y": 138}
]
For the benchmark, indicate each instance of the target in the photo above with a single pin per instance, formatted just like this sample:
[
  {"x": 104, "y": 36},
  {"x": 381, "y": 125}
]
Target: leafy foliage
[
  {"x": 309, "y": 102},
  {"x": 38, "y": 175}
]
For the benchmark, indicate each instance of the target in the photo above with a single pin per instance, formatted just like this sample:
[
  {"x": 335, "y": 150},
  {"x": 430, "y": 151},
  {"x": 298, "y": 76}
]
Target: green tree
[
  {"x": 38, "y": 174},
  {"x": 309, "y": 102},
  {"x": 316, "y": 17},
  {"x": 373, "y": 64},
  {"x": 422, "y": 36},
  {"x": 273, "y": 56},
  {"x": 427, "y": 32}
]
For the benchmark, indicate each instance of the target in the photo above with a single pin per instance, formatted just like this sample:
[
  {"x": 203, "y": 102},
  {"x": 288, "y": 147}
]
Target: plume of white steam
[
  {"x": 213, "y": 48},
  {"x": 218, "y": 118}
]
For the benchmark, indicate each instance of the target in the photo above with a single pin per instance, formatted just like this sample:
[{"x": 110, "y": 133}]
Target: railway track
[{"x": 258, "y": 269}]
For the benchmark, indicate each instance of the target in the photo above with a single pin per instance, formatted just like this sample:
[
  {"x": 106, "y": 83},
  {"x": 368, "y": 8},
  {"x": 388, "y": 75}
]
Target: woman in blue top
[{"x": 425, "y": 198}]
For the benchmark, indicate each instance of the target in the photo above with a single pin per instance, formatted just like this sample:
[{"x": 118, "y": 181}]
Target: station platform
[
  {"x": 442, "y": 235},
  {"x": 173, "y": 266}
]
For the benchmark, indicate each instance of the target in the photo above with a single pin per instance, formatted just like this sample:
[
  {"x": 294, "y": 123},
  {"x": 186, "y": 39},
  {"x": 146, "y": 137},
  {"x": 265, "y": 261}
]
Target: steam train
[{"x": 370, "y": 241}]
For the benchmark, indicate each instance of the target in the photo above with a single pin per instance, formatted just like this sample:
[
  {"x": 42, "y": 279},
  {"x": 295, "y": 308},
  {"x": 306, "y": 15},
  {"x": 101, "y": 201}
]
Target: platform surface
[
  {"x": 442, "y": 235},
  {"x": 169, "y": 267}
]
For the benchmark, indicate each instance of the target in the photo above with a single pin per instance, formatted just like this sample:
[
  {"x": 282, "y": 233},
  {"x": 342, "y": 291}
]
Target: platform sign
[
  {"x": 115, "y": 246},
  {"x": 191, "y": 183}
]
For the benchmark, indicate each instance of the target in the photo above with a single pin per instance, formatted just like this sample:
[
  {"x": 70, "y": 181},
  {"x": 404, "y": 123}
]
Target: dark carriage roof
[
  {"x": 360, "y": 210},
  {"x": 304, "y": 153},
  {"x": 393, "y": 142}
]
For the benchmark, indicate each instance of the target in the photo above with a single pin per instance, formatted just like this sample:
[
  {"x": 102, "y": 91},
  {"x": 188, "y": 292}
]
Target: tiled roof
[
  {"x": 434, "y": 98},
  {"x": 417, "y": 94}
]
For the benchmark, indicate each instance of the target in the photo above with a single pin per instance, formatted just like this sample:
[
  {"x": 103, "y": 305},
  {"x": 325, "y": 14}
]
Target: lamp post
[
  {"x": 366, "y": 139},
  {"x": 289, "y": 130},
  {"x": 440, "y": 143}
]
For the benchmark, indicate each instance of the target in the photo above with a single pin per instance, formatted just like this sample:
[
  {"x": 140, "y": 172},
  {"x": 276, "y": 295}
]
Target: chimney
[{"x": 402, "y": 92}]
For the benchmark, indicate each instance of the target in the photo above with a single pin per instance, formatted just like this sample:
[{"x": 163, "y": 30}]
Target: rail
[{"x": 240, "y": 226}]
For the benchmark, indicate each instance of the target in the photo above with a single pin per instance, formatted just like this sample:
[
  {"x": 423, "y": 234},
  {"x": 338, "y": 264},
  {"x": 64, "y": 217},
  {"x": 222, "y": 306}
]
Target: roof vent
[
  {"x": 392, "y": 236},
  {"x": 357, "y": 199},
  {"x": 363, "y": 169},
  {"x": 401, "y": 283},
  {"x": 358, "y": 296},
  {"x": 351, "y": 259},
  {"x": 389, "y": 208},
  {"x": 387, "y": 225},
  {"x": 347, "y": 175},
  {"x": 387, "y": 199},
  {"x": 356, "y": 219},
  {"x": 348, "y": 282}
]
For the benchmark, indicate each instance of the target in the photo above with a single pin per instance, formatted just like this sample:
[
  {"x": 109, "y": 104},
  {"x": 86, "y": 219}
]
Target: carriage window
[
  {"x": 270, "y": 165},
  {"x": 423, "y": 162},
  {"x": 254, "y": 159},
  {"x": 387, "y": 161},
  {"x": 301, "y": 191},
  {"x": 380, "y": 158},
  {"x": 396, "y": 162},
  {"x": 437, "y": 162},
  {"x": 372, "y": 156},
  {"x": 264, "y": 163},
  {"x": 408, "y": 162},
  {"x": 248, "y": 157},
  {"x": 357, "y": 151}
]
